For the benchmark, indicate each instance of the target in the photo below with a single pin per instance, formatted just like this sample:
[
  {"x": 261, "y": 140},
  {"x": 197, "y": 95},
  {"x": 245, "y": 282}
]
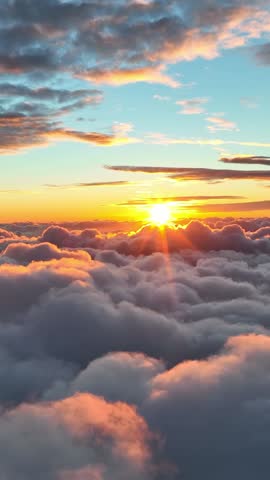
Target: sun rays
[{"x": 160, "y": 214}]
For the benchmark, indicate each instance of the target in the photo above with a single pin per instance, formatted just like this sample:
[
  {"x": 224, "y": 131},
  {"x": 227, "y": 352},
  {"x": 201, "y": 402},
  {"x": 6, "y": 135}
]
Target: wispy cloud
[
  {"x": 161, "y": 98},
  {"x": 217, "y": 123},
  {"x": 196, "y": 174},
  {"x": 162, "y": 139},
  {"x": 117, "y": 77},
  {"x": 117, "y": 183},
  {"x": 99, "y": 139},
  {"x": 180, "y": 199},
  {"x": 192, "y": 106},
  {"x": 233, "y": 207},
  {"x": 249, "y": 102}
]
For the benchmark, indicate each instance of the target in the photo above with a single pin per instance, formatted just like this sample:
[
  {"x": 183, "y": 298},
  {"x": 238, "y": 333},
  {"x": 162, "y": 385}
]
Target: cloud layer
[{"x": 135, "y": 353}]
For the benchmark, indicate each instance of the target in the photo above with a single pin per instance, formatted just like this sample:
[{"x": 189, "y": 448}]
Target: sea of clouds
[{"x": 140, "y": 356}]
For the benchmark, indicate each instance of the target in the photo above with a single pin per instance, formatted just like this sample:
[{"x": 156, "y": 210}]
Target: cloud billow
[{"x": 163, "y": 354}]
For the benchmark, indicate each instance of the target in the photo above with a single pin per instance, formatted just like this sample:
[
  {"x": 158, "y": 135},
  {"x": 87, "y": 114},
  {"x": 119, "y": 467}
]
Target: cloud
[
  {"x": 161, "y": 98},
  {"x": 117, "y": 183},
  {"x": 193, "y": 106},
  {"x": 148, "y": 239},
  {"x": 247, "y": 160},
  {"x": 20, "y": 131},
  {"x": 234, "y": 207},
  {"x": 100, "y": 139},
  {"x": 217, "y": 123},
  {"x": 104, "y": 43},
  {"x": 213, "y": 404},
  {"x": 196, "y": 174},
  {"x": 122, "y": 129},
  {"x": 139, "y": 358},
  {"x": 45, "y": 94},
  {"x": 117, "y": 77},
  {"x": 24, "y": 253},
  {"x": 191, "y": 198},
  {"x": 161, "y": 139},
  {"x": 249, "y": 102},
  {"x": 74, "y": 445},
  {"x": 29, "y": 116},
  {"x": 263, "y": 54},
  {"x": 158, "y": 34}
]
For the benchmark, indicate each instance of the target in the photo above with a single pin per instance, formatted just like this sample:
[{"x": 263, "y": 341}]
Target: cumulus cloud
[
  {"x": 214, "y": 405},
  {"x": 135, "y": 353},
  {"x": 104, "y": 441},
  {"x": 24, "y": 253}
]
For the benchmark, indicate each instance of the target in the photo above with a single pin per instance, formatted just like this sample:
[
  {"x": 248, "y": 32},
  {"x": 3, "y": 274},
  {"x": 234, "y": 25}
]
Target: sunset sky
[
  {"x": 86, "y": 87},
  {"x": 134, "y": 240}
]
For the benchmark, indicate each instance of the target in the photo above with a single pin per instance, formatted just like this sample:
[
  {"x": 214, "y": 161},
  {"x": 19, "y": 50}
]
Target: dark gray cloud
[
  {"x": 152, "y": 32},
  {"x": 247, "y": 160},
  {"x": 46, "y": 93},
  {"x": 21, "y": 130},
  {"x": 196, "y": 174}
]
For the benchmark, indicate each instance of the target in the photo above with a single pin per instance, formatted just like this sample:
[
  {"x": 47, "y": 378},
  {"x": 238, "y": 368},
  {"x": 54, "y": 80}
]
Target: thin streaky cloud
[
  {"x": 162, "y": 139},
  {"x": 249, "y": 102},
  {"x": 161, "y": 98},
  {"x": 116, "y": 183},
  {"x": 217, "y": 123},
  {"x": 247, "y": 160},
  {"x": 196, "y": 174},
  {"x": 191, "y": 198},
  {"x": 234, "y": 207}
]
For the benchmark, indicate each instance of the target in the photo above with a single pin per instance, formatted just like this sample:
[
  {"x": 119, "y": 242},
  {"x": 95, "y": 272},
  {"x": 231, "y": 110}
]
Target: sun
[{"x": 160, "y": 214}]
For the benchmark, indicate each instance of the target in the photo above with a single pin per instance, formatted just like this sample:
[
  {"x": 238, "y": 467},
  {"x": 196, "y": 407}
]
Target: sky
[
  {"x": 134, "y": 240},
  {"x": 89, "y": 86}
]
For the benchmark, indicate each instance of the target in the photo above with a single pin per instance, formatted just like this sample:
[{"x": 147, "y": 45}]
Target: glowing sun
[{"x": 160, "y": 214}]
